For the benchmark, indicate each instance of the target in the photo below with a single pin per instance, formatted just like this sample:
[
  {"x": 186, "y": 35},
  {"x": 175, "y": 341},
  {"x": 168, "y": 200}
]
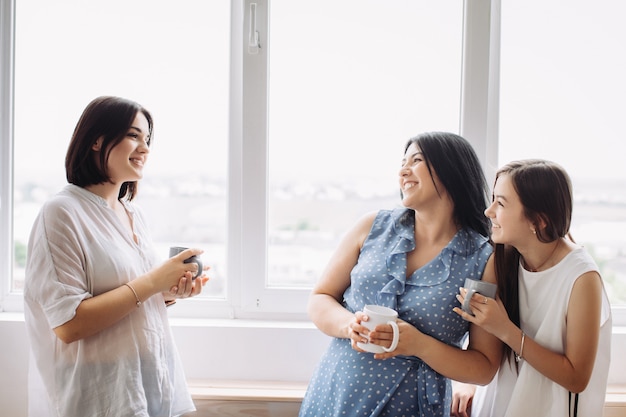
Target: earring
[{"x": 534, "y": 232}]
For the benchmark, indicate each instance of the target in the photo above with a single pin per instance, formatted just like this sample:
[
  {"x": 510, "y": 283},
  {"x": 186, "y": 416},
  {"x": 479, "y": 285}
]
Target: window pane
[
  {"x": 350, "y": 83},
  {"x": 175, "y": 62},
  {"x": 562, "y": 98}
]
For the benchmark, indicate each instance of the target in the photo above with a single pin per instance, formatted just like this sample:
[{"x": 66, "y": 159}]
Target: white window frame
[
  {"x": 8, "y": 301},
  {"x": 247, "y": 296},
  {"x": 256, "y": 297}
]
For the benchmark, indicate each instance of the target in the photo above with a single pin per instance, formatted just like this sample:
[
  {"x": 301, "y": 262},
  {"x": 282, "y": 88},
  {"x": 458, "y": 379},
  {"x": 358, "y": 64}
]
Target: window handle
[{"x": 253, "y": 36}]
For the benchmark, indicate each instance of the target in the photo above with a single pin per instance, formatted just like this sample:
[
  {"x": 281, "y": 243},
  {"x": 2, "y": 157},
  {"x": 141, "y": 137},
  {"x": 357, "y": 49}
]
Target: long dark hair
[
  {"x": 545, "y": 190},
  {"x": 108, "y": 118},
  {"x": 456, "y": 164}
]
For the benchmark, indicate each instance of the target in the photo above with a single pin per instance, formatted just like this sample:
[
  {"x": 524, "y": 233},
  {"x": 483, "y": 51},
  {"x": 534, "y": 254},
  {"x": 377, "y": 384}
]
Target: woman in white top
[
  {"x": 557, "y": 321},
  {"x": 95, "y": 294}
]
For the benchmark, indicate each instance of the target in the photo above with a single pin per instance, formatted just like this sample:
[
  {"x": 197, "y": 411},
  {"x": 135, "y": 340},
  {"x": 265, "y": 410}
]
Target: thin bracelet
[
  {"x": 521, "y": 349},
  {"x": 134, "y": 292}
]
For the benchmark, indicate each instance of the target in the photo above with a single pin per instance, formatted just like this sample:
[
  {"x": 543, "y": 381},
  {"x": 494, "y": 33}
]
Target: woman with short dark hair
[{"x": 95, "y": 291}]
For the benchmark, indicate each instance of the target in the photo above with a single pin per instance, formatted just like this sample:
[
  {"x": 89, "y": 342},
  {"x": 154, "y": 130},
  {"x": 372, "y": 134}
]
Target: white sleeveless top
[{"x": 544, "y": 298}]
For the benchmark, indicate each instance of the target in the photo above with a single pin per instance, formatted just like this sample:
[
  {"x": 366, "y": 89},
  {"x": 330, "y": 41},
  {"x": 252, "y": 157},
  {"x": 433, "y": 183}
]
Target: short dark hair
[
  {"x": 108, "y": 118},
  {"x": 456, "y": 164}
]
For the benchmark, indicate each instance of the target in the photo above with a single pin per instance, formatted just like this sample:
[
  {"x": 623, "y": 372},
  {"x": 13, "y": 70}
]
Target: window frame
[
  {"x": 247, "y": 295},
  {"x": 256, "y": 297},
  {"x": 8, "y": 301}
]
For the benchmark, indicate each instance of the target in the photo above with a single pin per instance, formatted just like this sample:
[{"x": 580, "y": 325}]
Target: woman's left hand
[
  {"x": 462, "y": 397},
  {"x": 407, "y": 342},
  {"x": 187, "y": 286},
  {"x": 489, "y": 314}
]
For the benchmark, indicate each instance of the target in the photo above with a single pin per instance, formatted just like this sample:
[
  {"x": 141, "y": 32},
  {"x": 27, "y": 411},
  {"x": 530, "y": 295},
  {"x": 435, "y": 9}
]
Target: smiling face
[
  {"x": 509, "y": 223},
  {"x": 417, "y": 185},
  {"x": 127, "y": 158}
]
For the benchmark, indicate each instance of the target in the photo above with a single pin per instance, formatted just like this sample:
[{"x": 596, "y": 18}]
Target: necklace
[{"x": 544, "y": 262}]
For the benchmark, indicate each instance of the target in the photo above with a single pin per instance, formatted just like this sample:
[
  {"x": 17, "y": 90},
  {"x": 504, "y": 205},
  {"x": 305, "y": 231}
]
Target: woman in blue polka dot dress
[{"x": 413, "y": 260}]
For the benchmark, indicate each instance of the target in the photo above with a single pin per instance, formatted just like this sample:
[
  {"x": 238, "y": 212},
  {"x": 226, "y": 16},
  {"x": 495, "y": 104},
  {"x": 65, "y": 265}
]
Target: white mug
[{"x": 380, "y": 315}]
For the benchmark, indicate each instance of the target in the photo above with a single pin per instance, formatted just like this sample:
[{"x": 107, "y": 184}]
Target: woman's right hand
[
  {"x": 357, "y": 332},
  {"x": 170, "y": 273},
  {"x": 490, "y": 314}
]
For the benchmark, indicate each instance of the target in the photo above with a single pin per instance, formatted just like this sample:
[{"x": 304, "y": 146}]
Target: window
[
  {"x": 69, "y": 52},
  {"x": 264, "y": 154},
  {"x": 336, "y": 136},
  {"x": 562, "y": 98},
  {"x": 333, "y": 136}
]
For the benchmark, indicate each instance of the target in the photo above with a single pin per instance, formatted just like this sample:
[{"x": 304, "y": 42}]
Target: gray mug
[
  {"x": 175, "y": 250},
  {"x": 472, "y": 286}
]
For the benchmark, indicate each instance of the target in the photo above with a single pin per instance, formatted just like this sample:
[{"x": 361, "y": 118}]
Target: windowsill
[
  {"x": 242, "y": 390},
  {"x": 616, "y": 396},
  {"x": 241, "y": 323},
  {"x": 6, "y": 316},
  {"x": 615, "y": 403},
  {"x": 209, "y": 323},
  {"x": 275, "y": 391}
]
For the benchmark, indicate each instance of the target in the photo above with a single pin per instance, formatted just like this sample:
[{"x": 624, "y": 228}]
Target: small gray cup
[
  {"x": 175, "y": 250},
  {"x": 472, "y": 286}
]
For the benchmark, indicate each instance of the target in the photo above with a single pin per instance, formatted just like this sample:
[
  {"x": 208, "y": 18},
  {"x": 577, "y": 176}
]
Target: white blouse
[
  {"x": 544, "y": 299},
  {"x": 78, "y": 249}
]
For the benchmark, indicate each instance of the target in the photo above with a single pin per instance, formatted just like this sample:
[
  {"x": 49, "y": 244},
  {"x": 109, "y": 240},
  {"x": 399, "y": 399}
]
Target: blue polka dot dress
[{"x": 351, "y": 383}]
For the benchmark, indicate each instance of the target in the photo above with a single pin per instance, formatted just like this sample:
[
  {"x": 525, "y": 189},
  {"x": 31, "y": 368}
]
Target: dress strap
[{"x": 575, "y": 405}]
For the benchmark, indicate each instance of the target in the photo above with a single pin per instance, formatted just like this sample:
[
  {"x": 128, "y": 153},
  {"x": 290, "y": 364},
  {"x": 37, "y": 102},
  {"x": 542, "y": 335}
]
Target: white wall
[
  {"x": 13, "y": 365},
  {"x": 234, "y": 349}
]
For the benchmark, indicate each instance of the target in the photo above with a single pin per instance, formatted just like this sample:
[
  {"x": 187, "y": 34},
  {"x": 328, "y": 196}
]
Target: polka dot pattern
[{"x": 351, "y": 383}]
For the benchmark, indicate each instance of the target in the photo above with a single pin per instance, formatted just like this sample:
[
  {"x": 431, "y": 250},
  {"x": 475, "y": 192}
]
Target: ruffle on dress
[{"x": 463, "y": 243}]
